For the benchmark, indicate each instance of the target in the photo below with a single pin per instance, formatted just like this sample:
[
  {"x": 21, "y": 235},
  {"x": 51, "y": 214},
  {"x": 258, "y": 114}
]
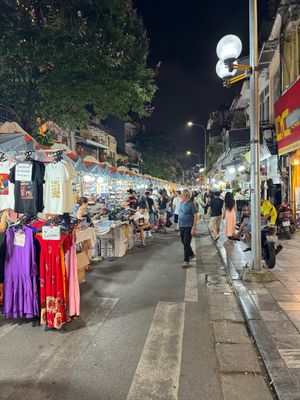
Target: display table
[{"x": 111, "y": 236}]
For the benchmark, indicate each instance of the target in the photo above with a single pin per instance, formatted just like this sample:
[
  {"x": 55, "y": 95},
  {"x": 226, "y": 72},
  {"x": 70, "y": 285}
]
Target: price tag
[
  {"x": 51, "y": 233},
  {"x": 19, "y": 239},
  {"x": 24, "y": 172}
]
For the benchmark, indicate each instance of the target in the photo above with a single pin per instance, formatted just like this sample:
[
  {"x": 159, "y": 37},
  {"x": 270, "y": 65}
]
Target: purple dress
[{"x": 20, "y": 275}]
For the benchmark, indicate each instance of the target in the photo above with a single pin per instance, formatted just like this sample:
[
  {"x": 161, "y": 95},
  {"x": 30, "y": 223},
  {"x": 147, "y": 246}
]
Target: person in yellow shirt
[{"x": 269, "y": 211}]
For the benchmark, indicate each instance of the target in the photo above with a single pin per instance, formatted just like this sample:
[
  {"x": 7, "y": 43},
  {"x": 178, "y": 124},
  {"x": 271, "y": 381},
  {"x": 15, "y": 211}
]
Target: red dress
[{"x": 53, "y": 291}]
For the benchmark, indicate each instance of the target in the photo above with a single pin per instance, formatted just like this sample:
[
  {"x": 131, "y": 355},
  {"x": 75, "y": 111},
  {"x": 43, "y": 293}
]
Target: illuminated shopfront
[{"x": 287, "y": 112}]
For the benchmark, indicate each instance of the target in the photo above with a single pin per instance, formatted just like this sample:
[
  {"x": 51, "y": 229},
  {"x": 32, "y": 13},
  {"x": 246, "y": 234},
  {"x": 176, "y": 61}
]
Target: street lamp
[
  {"x": 190, "y": 124},
  {"x": 188, "y": 153},
  {"x": 229, "y": 49}
]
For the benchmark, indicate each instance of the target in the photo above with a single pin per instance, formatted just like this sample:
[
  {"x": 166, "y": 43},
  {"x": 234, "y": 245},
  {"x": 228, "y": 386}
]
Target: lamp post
[
  {"x": 190, "y": 124},
  {"x": 190, "y": 153},
  {"x": 228, "y": 50}
]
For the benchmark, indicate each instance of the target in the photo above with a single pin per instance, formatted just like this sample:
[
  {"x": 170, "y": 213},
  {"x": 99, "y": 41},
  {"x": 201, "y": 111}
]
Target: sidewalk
[{"x": 272, "y": 311}]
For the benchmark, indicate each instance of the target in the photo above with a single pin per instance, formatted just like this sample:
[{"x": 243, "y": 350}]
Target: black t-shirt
[
  {"x": 216, "y": 206},
  {"x": 29, "y": 195},
  {"x": 150, "y": 204},
  {"x": 162, "y": 203},
  {"x": 133, "y": 202}
]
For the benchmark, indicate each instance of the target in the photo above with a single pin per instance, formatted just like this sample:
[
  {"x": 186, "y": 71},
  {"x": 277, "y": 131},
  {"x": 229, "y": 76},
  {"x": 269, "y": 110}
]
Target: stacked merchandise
[{"x": 39, "y": 271}]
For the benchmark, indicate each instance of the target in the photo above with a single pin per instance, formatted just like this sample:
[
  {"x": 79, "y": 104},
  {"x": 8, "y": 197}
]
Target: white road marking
[
  {"x": 191, "y": 285},
  {"x": 157, "y": 374}
]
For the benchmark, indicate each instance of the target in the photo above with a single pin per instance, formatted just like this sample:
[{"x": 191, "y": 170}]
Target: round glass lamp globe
[
  {"x": 222, "y": 70},
  {"x": 229, "y": 48}
]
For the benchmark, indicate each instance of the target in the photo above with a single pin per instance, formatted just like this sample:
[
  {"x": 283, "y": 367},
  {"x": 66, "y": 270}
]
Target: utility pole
[{"x": 254, "y": 139}]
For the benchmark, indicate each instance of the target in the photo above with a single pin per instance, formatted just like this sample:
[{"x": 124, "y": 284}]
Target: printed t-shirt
[
  {"x": 56, "y": 189},
  {"x": 29, "y": 194},
  {"x": 7, "y": 197}
]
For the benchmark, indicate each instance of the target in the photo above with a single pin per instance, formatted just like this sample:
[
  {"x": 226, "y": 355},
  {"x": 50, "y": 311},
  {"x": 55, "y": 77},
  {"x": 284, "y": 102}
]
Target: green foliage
[
  {"x": 58, "y": 56},
  {"x": 213, "y": 152},
  {"x": 159, "y": 154}
]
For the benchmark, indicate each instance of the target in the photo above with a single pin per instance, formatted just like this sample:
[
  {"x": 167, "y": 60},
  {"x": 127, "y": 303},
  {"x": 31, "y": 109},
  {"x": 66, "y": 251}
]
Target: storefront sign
[
  {"x": 51, "y": 232},
  {"x": 24, "y": 172},
  {"x": 287, "y": 113}
]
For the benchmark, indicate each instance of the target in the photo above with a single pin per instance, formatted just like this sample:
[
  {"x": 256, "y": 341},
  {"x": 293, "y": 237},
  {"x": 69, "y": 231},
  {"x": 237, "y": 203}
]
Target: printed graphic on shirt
[
  {"x": 26, "y": 190},
  {"x": 55, "y": 188},
  {"x": 3, "y": 184}
]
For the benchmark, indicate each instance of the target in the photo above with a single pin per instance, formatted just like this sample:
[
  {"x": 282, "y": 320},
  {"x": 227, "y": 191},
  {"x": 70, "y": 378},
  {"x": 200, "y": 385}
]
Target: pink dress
[{"x": 230, "y": 222}]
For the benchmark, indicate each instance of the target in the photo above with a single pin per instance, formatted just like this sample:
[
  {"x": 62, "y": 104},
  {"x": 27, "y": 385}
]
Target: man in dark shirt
[
  {"x": 150, "y": 206},
  {"x": 215, "y": 211}
]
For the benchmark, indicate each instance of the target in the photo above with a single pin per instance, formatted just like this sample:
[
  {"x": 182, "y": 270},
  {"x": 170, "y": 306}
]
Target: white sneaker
[{"x": 186, "y": 264}]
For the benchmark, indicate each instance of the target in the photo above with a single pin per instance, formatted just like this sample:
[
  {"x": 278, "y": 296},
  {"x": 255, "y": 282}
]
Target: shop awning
[{"x": 89, "y": 142}]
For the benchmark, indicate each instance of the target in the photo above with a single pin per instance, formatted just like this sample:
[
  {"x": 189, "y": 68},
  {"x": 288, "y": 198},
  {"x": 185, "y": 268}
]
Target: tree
[
  {"x": 159, "y": 154},
  {"x": 58, "y": 56},
  {"x": 213, "y": 152}
]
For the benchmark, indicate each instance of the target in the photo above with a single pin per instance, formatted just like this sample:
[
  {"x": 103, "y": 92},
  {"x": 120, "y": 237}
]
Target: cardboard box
[
  {"x": 81, "y": 275},
  {"x": 120, "y": 248},
  {"x": 82, "y": 262}
]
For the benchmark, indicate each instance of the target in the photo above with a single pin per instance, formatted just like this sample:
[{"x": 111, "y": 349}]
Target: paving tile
[
  {"x": 287, "y": 341},
  {"x": 281, "y": 327},
  {"x": 284, "y": 297},
  {"x": 218, "y": 299},
  {"x": 296, "y": 375},
  {"x": 252, "y": 387},
  {"x": 230, "y": 359},
  {"x": 291, "y": 357},
  {"x": 222, "y": 313},
  {"x": 228, "y": 332},
  {"x": 265, "y": 303},
  {"x": 290, "y": 306},
  {"x": 273, "y": 316}
]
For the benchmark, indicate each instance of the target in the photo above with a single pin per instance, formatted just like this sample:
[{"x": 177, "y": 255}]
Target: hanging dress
[
  {"x": 53, "y": 280},
  {"x": 20, "y": 275}
]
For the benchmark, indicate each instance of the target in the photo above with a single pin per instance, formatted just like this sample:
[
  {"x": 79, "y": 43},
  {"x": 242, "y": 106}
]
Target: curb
[{"x": 283, "y": 383}]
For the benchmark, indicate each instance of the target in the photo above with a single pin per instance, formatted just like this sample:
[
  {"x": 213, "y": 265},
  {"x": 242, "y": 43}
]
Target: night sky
[{"x": 183, "y": 36}]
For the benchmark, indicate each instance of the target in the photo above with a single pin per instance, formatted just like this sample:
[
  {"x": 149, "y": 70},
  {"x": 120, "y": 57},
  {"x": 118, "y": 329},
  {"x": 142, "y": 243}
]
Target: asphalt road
[{"x": 148, "y": 330}]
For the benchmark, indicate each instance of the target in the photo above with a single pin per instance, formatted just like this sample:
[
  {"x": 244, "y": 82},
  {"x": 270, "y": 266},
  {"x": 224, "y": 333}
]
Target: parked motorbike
[
  {"x": 286, "y": 221},
  {"x": 269, "y": 245}
]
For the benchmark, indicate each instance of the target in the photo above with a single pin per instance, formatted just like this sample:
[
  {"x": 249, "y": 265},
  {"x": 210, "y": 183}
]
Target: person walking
[
  {"x": 151, "y": 210},
  {"x": 176, "y": 205},
  {"x": 214, "y": 214},
  {"x": 230, "y": 216},
  {"x": 188, "y": 218}
]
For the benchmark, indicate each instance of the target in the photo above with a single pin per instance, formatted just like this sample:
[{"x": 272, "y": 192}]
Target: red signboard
[{"x": 287, "y": 119}]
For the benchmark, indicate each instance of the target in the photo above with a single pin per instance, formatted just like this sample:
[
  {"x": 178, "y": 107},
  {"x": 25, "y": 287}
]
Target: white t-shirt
[
  {"x": 139, "y": 215},
  {"x": 56, "y": 189},
  {"x": 176, "y": 204},
  {"x": 7, "y": 198},
  {"x": 70, "y": 203}
]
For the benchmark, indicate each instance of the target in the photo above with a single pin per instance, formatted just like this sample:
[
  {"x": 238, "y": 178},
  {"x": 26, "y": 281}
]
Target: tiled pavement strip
[
  {"x": 239, "y": 366},
  {"x": 272, "y": 311}
]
